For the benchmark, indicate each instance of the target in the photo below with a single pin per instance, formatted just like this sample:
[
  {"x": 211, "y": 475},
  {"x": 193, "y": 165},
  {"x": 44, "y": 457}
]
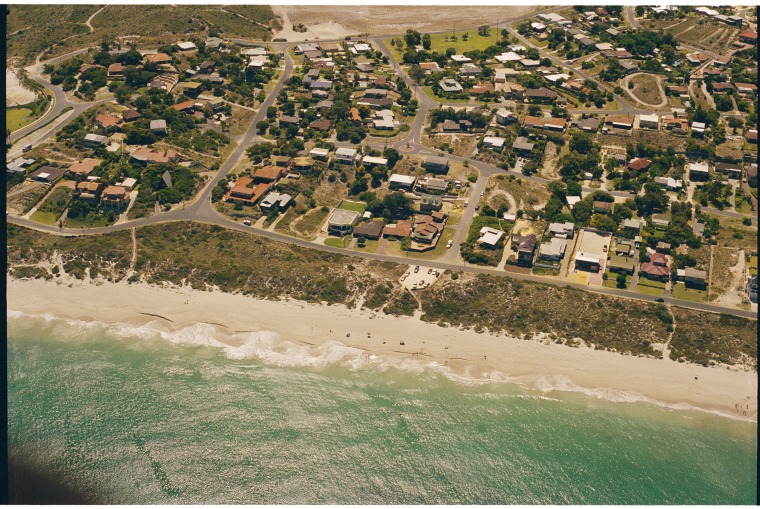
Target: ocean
[{"x": 133, "y": 416}]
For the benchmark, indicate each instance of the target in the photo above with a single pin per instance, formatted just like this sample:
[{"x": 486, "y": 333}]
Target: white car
[{"x": 449, "y": 244}]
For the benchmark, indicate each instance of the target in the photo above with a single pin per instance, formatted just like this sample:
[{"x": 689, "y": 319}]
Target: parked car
[
  {"x": 246, "y": 222},
  {"x": 659, "y": 299},
  {"x": 416, "y": 269},
  {"x": 430, "y": 271},
  {"x": 449, "y": 244}
]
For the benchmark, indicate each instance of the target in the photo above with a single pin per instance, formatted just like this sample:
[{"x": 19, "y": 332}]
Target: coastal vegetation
[{"x": 178, "y": 254}]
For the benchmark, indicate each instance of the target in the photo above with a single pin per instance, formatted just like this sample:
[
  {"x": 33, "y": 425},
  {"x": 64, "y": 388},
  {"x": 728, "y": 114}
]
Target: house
[
  {"x": 269, "y": 174},
  {"x": 587, "y": 124},
  {"x": 676, "y": 125},
  {"x": 115, "y": 197},
  {"x": 435, "y": 164},
  {"x": 321, "y": 84},
  {"x": 695, "y": 277},
  {"x": 184, "y": 106},
  {"x": 722, "y": 88},
  {"x": 431, "y": 202},
  {"x": 383, "y": 124},
  {"x": 130, "y": 115},
  {"x": 370, "y": 230},
  {"x": 449, "y": 85},
  {"x": 84, "y": 167},
  {"x": 275, "y": 201},
  {"x": 752, "y": 288},
  {"x": 490, "y": 237},
  {"x": 721, "y": 62},
  {"x": 369, "y": 161},
  {"x": 433, "y": 184},
  {"x": 192, "y": 89},
  {"x": 322, "y": 124},
  {"x": 320, "y": 153},
  {"x": 697, "y": 58},
  {"x": 679, "y": 90},
  {"x": 529, "y": 62},
  {"x": 587, "y": 261},
  {"x": 288, "y": 120},
  {"x": 602, "y": 207},
  {"x": 115, "y": 71},
  {"x": 149, "y": 155},
  {"x": 734, "y": 171},
  {"x": 18, "y": 165},
  {"x": 541, "y": 95},
  {"x": 698, "y": 128},
  {"x": 639, "y": 164},
  {"x": 397, "y": 181},
  {"x": 47, "y": 174},
  {"x": 401, "y": 229},
  {"x": 158, "y": 126},
  {"x": 243, "y": 193},
  {"x": 461, "y": 59},
  {"x": 469, "y": 70},
  {"x": 620, "y": 264},
  {"x": 504, "y": 116},
  {"x": 495, "y": 143},
  {"x": 375, "y": 103},
  {"x": 538, "y": 27},
  {"x": 186, "y": 46},
  {"x": 509, "y": 56},
  {"x": 660, "y": 221},
  {"x": 746, "y": 88},
  {"x": 449, "y": 125},
  {"x": 214, "y": 42},
  {"x": 522, "y": 146},
  {"x": 425, "y": 229},
  {"x": 748, "y": 36},
  {"x": 158, "y": 58},
  {"x": 656, "y": 269},
  {"x": 616, "y": 53},
  {"x": 553, "y": 250},
  {"x": 95, "y": 140},
  {"x": 481, "y": 89},
  {"x": 663, "y": 247},
  {"x": 524, "y": 245},
  {"x": 620, "y": 121},
  {"x": 555, "y": 124},
  {"x": 89, "y": 190},
  {"x": 376, "y": 92},
  {"x": 651, "y": 121},
  {"x": 128, "y": 183},
  {"x": 669, "y": 182},
  {"x": 302, "y": 164},
  {"x": 752, "y": 137},
  {"x": 301, "y": 48},
  {"x": 633, "y": 225},
  {"x": 429, "y": 67},
  {"x": 752, "y": 175},
  {"x": 698, "y": 229},
  {"x": 562, "y": 230},
  {"x": 623, "y": 249},
  {"x": 108, "y": 124},
  {"x": 698, "y": 171},
  {"x": 345, "y": 155}
]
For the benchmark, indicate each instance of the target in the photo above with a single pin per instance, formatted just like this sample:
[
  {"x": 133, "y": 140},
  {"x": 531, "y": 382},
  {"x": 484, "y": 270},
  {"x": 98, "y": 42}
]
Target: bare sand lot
[
  {"x": 338, "y": 21},
  {"x": 15, "y": 93}
]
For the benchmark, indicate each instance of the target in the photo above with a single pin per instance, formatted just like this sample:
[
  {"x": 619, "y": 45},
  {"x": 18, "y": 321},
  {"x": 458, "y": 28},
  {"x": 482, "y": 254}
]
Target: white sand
[
  {"x": 458, "y": 354},
  {"x": 15, "y": 93}
]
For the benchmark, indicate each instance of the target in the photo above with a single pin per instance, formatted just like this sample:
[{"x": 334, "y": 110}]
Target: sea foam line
[{"x": 270, "y": 349}]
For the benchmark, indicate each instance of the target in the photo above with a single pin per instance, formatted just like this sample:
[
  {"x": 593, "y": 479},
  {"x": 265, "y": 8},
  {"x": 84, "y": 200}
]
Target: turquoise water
[{"x": 135, "y": 418}]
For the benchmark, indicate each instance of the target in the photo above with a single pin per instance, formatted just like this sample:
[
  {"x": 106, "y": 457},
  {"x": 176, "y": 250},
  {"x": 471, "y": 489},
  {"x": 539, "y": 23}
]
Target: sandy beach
[{"x": 308, "y": 334}]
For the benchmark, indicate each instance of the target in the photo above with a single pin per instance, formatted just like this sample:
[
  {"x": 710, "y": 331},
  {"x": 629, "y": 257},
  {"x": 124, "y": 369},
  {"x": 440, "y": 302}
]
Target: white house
[
  {"x": 651, "y": 121},
  {"x": 374, "y": 161},
  {"x": 461, "y": 59},
  {"x": 564, "y": 230},
  {"x": 504, "y": 116},
  {"x": 490, "y": 236},
  {"x": 494, "y": 142},
  {"x": 397, "y": 181},
  {"x": 345, "y": 155},
  {"x": 553, "y": 250},
  {"x": 186, "y": 46},
  {"x": 319, "y": 153}
]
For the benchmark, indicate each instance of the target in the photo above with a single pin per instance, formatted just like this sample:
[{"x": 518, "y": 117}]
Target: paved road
[{"x": 201, "y": 210}]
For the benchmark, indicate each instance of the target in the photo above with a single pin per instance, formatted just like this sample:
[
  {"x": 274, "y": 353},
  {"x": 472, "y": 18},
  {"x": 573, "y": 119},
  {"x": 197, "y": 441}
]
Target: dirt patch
[
  {"x": 337, "y": 21},
  {"x": 647, "y": 89},
  {"x": 16, "y": 93},
  {"x": 549, "y": 169}
]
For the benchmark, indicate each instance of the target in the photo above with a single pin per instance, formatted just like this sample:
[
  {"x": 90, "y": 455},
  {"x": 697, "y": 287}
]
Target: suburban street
[{"x": 201, "y": 209}]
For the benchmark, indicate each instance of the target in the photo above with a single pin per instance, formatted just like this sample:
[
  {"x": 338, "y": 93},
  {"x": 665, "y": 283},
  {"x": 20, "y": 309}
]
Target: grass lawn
[
  {"x": 355, "y": 206},
  {"x": 753, "y": 265},
  {"x": 429, "y": 92},
  {"x": 680, "y": 291},
  {"x": 370, "y": 246},
  {"x": 441, "y": 42},
  {"x": 93, "y": 220},
  {"x": 342, "y": 242},
  {"x": 16, "y": 118},
  {"x": 649, "y": 287},
  {"x": 383, "y": 133},
  {"x": 543, "y": 271},
  {"x": 611, "y": 281},
  {"x": 45, "y": 217},
  {"x": 309, "y": 224}
]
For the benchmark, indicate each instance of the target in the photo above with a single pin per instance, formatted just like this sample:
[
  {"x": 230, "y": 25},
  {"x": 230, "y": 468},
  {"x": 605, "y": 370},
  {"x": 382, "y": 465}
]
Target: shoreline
[{"x": 320, "y": 335}]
